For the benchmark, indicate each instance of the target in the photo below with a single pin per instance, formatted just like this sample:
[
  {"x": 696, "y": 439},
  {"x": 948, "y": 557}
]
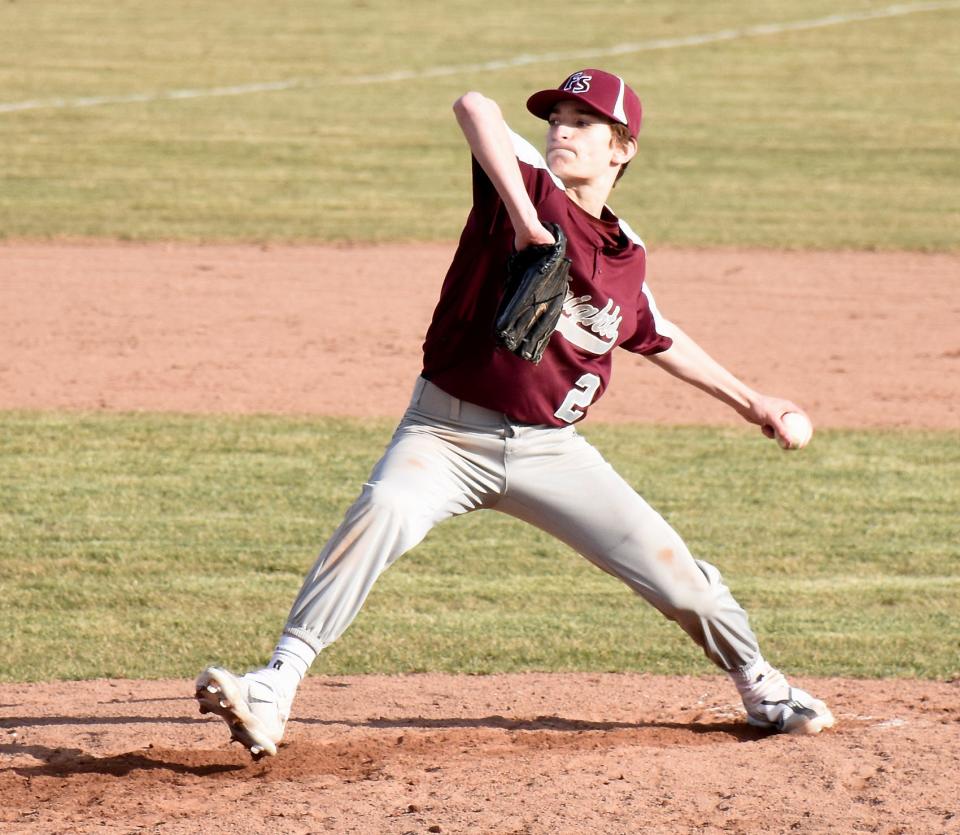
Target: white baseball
[{"x": 799, "y": 431}]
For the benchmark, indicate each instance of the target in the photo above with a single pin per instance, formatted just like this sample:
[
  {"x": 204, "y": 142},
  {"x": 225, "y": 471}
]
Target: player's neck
[{"x": 590, "y": 196}]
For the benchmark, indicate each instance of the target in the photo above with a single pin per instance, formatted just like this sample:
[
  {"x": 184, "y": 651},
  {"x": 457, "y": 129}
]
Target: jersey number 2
[{"x": 581, "y": 394}]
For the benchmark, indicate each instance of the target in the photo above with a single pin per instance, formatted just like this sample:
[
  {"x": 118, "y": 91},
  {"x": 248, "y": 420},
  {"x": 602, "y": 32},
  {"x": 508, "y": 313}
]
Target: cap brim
[{"x": 541, "y": 104}]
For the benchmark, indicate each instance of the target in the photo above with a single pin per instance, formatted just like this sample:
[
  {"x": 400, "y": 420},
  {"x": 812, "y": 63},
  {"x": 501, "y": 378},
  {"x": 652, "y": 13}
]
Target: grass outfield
[
  {"x": 148, "y": 546},
  {"x": 835, "y": 137}
]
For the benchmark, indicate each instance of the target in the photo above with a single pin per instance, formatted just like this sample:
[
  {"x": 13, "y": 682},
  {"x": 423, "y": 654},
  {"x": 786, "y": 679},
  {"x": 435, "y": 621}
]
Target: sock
[
  {"x": 747, "y": 676},
  {"x": 290, "y": 661},
  {"x": 758, "y": 681}
]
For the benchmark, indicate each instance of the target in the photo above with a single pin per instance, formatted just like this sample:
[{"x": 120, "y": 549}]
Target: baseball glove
[{"x": 537, "y": 279}]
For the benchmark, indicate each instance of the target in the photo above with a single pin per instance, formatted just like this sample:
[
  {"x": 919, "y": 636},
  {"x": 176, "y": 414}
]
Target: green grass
[
  {"x": 148, "y": 546},
  {"x": 840, "y": 137}
]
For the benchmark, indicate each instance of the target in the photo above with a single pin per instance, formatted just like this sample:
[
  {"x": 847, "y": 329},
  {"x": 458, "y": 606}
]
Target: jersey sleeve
[{"x": 648, "y": 338}]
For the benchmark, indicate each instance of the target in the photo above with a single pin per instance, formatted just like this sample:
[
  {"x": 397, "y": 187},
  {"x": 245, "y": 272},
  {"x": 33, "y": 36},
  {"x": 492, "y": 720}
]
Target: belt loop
[
  {"x": 455, "y": 408},
  {"x": 418, "y": 390}
]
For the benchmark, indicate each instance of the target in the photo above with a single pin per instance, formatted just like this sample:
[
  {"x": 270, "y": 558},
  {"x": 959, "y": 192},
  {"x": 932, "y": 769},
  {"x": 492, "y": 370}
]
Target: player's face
[{"x": 579, "y": 144}]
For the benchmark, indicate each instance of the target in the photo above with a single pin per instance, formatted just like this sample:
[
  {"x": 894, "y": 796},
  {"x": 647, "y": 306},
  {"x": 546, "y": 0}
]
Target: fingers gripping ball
[{"x": 799, "y": 431}]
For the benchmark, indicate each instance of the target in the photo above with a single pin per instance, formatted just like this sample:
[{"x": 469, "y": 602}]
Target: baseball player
[{"x": 486, "y": 428}]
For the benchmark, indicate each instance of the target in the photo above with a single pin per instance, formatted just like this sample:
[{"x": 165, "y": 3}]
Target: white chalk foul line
[
  {"x": 759, "y": 30},
  {"x": 164, "y": 95},
  {"x": 879, "y": 721}
]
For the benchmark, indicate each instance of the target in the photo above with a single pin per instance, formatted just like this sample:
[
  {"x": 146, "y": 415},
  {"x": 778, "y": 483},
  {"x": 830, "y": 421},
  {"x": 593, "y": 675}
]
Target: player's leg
[
  {"x": 435, "y": 467},
  {"x": 578, "y": 497},
  {"x": 560, "y": 483},
  {"x": 429, "y": 473}
]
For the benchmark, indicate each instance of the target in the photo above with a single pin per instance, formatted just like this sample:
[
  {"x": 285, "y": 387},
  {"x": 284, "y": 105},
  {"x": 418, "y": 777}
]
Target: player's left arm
[
  {"x": 486, "y": 133},
  {"x": 687, "y": 361}
]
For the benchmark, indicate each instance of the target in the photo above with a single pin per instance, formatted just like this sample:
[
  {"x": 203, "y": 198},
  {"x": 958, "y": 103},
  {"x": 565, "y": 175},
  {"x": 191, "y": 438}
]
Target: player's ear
[
  {"x": 624, "y": 150},
  {"x": 623, "y": 146}
]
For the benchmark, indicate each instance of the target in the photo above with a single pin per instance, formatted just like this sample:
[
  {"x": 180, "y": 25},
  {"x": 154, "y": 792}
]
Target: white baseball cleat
[
  {"x": 772, "y": 703},
  {"x": 251, "y": 705}
]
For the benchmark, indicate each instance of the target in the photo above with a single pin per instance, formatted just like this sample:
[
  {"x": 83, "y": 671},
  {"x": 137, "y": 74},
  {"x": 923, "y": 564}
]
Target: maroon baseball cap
[{"x": 603, "y": 92}]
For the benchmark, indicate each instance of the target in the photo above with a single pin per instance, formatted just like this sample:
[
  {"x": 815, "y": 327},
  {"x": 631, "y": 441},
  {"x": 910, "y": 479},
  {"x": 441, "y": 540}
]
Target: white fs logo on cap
[{"x": 577, "y": 83}]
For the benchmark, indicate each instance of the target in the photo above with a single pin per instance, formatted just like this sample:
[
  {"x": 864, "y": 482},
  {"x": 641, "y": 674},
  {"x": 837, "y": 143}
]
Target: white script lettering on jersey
[{"x": 587, "y": 326}]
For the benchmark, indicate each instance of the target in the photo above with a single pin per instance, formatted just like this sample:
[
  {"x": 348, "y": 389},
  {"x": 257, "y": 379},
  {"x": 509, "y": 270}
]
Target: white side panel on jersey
[
  {"x": 633, "y": 236},
  {"x": 658, "y": 317},
  {"x": 531, "y": 156}
]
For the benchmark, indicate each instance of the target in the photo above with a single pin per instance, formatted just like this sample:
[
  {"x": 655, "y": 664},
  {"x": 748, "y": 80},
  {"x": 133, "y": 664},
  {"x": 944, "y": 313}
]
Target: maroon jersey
[{"x": 607, "y": 306}]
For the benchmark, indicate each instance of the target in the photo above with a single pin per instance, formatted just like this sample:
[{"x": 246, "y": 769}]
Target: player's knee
[
  {"x": 385, "y": 517},
  {"x": 703, "y": 598},
  {"x": 387, "y": 498},
  {"x": 699, "y": 606}
]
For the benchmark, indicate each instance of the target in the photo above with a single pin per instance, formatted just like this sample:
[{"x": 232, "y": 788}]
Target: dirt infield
[
  {"x": 859, "y": 339},
  {"x": 506, "y": 754}
]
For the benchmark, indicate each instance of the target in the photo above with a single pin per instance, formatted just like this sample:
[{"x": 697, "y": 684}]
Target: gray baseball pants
[{"x": 449, "y": 457}]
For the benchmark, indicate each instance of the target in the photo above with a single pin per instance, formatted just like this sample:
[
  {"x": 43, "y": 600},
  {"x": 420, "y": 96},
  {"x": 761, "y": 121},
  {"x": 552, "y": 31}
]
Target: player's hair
[{"x": 620, "y": 134}]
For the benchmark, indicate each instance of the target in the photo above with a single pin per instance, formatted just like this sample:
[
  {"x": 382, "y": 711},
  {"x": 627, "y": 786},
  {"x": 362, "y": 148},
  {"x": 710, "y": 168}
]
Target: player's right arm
[
  {"x": 486, "y": 133},
  {"x": 687, "y": 361}
]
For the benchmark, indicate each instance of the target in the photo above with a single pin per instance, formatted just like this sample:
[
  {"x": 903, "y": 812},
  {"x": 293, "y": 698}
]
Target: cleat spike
[{"x": 254, "y": 712}]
